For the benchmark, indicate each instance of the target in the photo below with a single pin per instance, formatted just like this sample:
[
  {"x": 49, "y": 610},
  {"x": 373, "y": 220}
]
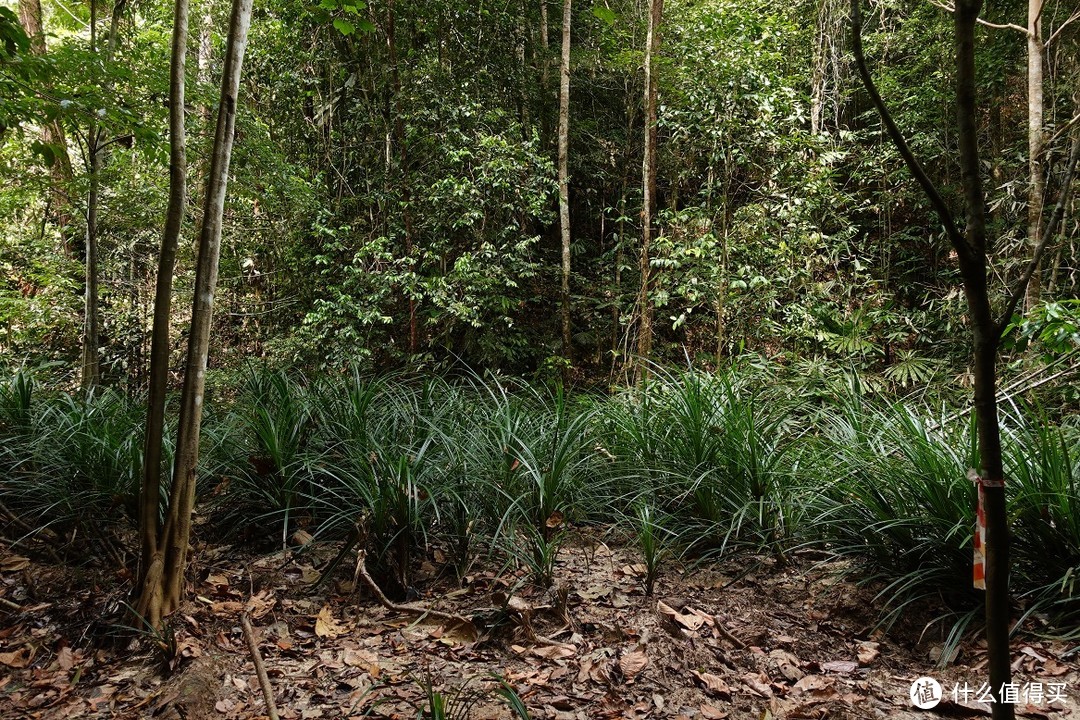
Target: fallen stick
[
  {"x": 362, "y": 573},
  {"x": 7, "y": 604},
  {"x": 260, "y": 669}
]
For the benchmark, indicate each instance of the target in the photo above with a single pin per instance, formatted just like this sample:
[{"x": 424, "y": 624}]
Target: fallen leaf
[
  {"x": 555, "y": 652},
  {"x": 1028, "y": 650},
  {"x": 812, "y": 682},
  {"x": 1053, "y": 668},
  {"x": 20, "y": 658},
  {"x": 14, "y": 563},
  {"x": 713, "y": 684},
  {"x": 867, "y": 653},
  {"x": 632, "y": 663},
  {"x": 758, "y": 684},
  {"x": 65, "y": 659},
  {"x": 844, "y": 667},
  {"x": 712, "y": 713},
  {"x": 325, "y": 624}
]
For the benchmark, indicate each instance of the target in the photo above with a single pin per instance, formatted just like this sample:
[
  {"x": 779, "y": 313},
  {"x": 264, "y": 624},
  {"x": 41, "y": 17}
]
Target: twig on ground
[
  {"x": 260, "y": 669},
  {"x": 362, "y": 573}
]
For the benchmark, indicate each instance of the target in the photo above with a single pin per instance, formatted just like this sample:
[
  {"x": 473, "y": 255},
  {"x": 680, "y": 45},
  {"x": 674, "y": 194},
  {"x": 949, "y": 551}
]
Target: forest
[{"x": 601, "y": 359}]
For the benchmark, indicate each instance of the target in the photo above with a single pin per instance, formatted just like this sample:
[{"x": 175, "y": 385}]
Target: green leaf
[
  {"x": 604, "y": 13},
  {"x": 345, "y": 27}
]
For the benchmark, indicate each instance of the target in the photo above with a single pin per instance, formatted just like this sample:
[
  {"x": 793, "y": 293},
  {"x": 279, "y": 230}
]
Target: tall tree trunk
[
  {"x": 543, "y": 46},
  {"x": 52, "y": 133},
  {"x": 91, "y": 361},
  {"x": 403, "y": 160},
  {"x": 564, "y": 178},
  {"x": 162, "y": 590},
  {"x": 1036, "y": 140},
  {"x": 149, "y": 503},
  {"x": 971, "y": 251},
  {"x": 648, "y": 186}
]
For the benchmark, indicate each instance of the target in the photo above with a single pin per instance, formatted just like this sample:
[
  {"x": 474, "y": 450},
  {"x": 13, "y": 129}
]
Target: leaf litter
[{"x": 781, "y": 641}]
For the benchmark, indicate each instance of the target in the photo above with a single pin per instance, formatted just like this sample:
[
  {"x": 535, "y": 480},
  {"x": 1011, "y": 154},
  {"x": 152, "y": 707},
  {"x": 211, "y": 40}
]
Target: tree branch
[
  {"x": 1044, "y": 241},
  {"x": 932, "y": 193},
  {"x": 986, "y": 23},
  {"x": 1062, "y": 26}
]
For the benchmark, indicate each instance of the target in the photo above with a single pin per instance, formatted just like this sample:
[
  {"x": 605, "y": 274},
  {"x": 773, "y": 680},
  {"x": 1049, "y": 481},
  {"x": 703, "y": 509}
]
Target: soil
[{"x": 751, "y": 637}]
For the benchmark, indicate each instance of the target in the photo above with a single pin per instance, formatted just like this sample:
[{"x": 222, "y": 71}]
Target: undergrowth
[{"x": 691, "y": 466}]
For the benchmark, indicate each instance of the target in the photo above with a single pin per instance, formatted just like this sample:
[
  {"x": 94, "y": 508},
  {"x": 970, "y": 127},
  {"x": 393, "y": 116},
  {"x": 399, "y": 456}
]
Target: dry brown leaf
[
  {"x": 1028, "y": 650},
  {"x": 555, "y": 652},
  {"x": 713, "y": 684},
  {"x": 18, "y": 659},
  {"x": 812, "y": 682},
  {"x": 758, "y": 684},
  {"x": 712, "y": 713},
  {"x": 65, "y": 659},
  {"x": 843, "y": 667},
  {"x": 867, "y": 653},
  {"x": 690, "y": 621},
  {"x": 14, "y": 563},
  {"x": 1053, "y": 668},
  {"x": 632, "y": 663},
  {"x": 364, "y": 659},
  {"x": 555, "y": 519},
  {"x": 325, "y": 624}
]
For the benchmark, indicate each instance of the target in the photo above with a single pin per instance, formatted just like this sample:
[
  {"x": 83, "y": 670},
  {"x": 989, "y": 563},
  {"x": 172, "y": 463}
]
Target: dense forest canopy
[{"x": 395, "y": 192}]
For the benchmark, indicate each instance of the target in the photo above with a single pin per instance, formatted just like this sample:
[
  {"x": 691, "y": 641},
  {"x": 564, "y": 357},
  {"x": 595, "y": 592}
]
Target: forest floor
[{"x": 746, "y": 638}]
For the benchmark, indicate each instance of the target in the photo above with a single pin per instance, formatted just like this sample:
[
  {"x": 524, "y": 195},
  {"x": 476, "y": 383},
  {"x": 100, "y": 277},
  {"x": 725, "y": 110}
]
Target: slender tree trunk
[
  {"x": 403, "y": 160},
  {"x": 971, "y": 251},
  {"x": 52, "y": 133},
  {"x": 91, "y": 361},
  {"x": 543, "y": 46},
  {"x": 159, "y": 340},
  {"x": 1036, "y": 140},
  {"x": 564, "y": 178},
  {"x": 163, "y": 588},
  {"x": 648, "y": 185}
]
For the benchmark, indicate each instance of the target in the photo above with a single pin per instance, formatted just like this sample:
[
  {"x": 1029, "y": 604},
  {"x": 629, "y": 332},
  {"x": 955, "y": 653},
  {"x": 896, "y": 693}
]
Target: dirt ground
[{"x": 747, "y": 638}]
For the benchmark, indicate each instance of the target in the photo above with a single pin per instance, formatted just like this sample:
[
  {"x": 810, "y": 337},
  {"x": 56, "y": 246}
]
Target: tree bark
[
  {"x": 648, "y": 183},
  {"x": 403, "y": 159},
  {"x": 163, "y": 586},
  {"x": 1036, "y": 140},
  {"x": 160, "y": 342},
  {"x": 971, "y": 251},
  {"x": 564, "y": 179},
  {"x": 91, "y": 362},
  {"x": 52, "y": 133}
]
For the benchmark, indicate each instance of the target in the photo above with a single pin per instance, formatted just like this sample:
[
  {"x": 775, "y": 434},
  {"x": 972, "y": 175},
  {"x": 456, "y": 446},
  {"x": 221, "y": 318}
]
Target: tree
[
  {"x": 162, "y": 588},
  {"x": 159, "y": 339},
  {"x": 970, "y": 246},
  {"x": 564, "y": 178},
  {"x": 52, "y": 132},
  {"x": 648, "y": 186}
]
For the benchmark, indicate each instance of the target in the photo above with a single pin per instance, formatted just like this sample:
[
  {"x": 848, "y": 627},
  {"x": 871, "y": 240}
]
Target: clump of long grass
[
  {"x": 895, "y": 495},
  {"x": 72, "y": 462},
  {"x": 1042, "y": 463},
  {"x": 709, "y": 450}
]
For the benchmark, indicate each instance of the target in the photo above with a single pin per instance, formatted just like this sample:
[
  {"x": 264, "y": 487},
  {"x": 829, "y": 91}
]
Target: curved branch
[
  {"x": 1075, "y": 16},
  {"x": 913, "y": 164},
  {"x": 986, "y": 23}
]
